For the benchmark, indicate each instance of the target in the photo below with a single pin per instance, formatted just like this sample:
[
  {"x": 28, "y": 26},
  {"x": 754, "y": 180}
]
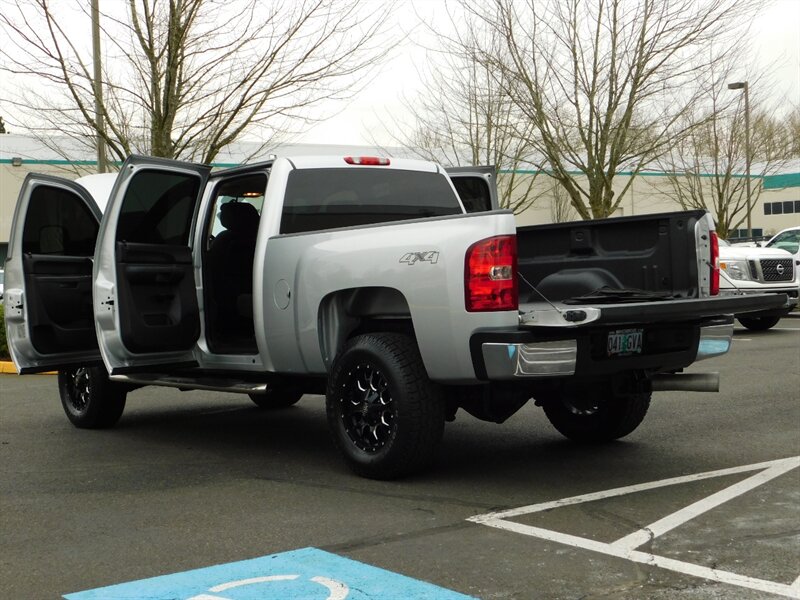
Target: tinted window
[
  {"x": 58, "y": 222},
  {"x": 157, "y": 208},
  {"x": 327, "y": 198},
  {"x": 767, "y": 208},
  {"x": 788, "y": 207},
  {"x": 474, "y": 193}
]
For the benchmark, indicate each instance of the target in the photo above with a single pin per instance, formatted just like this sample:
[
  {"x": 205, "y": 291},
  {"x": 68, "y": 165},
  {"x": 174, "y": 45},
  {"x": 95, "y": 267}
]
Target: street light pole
[
  {"x": 99, "y": 123},
  {"x": 742, "y": 85}
]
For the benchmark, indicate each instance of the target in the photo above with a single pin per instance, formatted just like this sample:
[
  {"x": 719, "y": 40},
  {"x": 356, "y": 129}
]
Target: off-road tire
[
  {"x": 758, "y": 323},
  {"x": 90, "y": 400},
  {"x": 608, "y": 418},
  {"x": 385, "y": 415}
]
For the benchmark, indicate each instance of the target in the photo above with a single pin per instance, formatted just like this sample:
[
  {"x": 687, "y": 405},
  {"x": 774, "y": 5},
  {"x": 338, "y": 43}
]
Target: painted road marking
[
  {"x": 305, "y": 574},
  {"x": 626, "y": 547},
  {"x": 338, "y": 590}
]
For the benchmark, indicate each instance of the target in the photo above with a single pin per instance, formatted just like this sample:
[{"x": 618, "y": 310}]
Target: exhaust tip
[{"x": 685, "y": 382}]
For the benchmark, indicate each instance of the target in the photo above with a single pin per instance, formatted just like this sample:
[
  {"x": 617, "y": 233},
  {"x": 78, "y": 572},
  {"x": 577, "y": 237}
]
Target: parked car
[
  {"x": 751, "y": 270},
  {"x": 789, "y": 240}
]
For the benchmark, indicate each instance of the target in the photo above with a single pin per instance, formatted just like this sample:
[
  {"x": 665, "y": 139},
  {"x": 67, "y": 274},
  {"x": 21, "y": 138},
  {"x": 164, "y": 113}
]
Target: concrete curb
[{"x": 7, "y": 367}]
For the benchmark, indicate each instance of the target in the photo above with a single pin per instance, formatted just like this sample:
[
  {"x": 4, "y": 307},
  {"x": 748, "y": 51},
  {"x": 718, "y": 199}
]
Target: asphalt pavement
[{"x": 709, "y": 483}]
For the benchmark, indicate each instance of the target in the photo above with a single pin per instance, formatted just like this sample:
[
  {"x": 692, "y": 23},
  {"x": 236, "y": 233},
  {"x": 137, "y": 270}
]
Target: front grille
[{"x": 777, "y": 269}]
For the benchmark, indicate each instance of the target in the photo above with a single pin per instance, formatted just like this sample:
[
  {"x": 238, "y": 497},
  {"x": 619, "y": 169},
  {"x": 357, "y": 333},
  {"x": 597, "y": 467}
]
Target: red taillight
[
  {"x": 714, "y": 285},
  {"x": 374, "y": 161},
  {"x": 490, "y": 275}
]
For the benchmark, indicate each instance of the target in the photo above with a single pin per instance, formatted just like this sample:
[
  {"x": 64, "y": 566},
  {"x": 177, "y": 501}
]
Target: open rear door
[
  {"x": 48, "y": 282},
  {"x": 476, "y": 186},
  {"x": 146, "y": 306}
]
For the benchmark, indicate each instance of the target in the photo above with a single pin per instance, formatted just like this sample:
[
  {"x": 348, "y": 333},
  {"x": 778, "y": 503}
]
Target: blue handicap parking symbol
[{"x": 305, "y": 574}]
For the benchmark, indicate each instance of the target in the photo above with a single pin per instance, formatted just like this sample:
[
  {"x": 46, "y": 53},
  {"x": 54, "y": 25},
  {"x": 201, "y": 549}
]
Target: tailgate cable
[
  {"x": 725, "y": 275},
  {"x": 571, "y": 315}
]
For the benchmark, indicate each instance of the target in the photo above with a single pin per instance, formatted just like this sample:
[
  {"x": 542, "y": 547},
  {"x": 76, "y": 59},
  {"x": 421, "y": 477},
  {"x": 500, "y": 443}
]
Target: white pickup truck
[
  {"x": 364, "y": 279},
  {"x": 754, "y": 270}
]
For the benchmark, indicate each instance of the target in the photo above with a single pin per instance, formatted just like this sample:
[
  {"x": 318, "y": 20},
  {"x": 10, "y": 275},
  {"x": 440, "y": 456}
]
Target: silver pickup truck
[{"x": 365, "y": 279}]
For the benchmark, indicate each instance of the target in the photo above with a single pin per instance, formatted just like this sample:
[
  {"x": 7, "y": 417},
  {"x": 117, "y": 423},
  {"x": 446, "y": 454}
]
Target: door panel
[
  {"x": 59, "y": 293},
  {"x": 49, "y": 276},
  {"x": 159, "y": 283},
  {"x": 144, "y": 279}
]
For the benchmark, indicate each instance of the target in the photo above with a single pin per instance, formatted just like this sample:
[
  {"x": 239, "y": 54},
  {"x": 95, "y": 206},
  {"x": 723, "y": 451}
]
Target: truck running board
[
  {"x": 214, "y": 384},
  {"x": 686, "y": 382}
]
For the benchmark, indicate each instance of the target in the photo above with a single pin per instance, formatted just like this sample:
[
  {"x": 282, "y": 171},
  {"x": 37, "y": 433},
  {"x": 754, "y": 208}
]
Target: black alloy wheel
[{"x": 89, "y": 399}]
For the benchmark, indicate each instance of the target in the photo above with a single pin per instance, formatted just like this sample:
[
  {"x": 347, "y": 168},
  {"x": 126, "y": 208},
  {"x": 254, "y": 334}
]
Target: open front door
[
  {"x": 48, "y": 282},
  {"x": 144, "y": 286},
  {"x": 476, "y": 186}
]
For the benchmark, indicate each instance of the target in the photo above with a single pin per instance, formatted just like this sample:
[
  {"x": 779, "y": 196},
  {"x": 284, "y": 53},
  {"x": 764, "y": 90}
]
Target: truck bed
[{"x": 649, "y": 253}]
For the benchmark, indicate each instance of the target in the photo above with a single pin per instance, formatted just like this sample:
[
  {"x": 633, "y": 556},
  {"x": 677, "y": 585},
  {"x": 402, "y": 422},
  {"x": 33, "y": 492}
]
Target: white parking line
[
  {"x": 625, "y": 547},
  {"x": 670, "y": 522}
]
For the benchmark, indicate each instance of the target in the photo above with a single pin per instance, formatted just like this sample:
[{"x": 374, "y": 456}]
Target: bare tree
[
  {"x": 464, "y": 117},
  {"x": 186, "y": 78},
  {"x": 561, "y": 209},
  {"x": 605, "y": 83},
  {"x": 706, "y": 169},
  {"x": 793, "y": 127}
]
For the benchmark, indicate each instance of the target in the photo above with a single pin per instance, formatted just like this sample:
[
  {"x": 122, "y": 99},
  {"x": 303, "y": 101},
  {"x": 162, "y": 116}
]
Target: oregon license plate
[{"x": 624, "y": 342}]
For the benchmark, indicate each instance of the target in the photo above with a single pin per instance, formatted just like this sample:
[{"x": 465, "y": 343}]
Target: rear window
[{"x": 328, "y": 198}]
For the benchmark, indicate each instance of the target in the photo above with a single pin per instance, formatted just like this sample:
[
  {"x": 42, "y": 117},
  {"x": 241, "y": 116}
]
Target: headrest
[{"x": 239, "y": 217}]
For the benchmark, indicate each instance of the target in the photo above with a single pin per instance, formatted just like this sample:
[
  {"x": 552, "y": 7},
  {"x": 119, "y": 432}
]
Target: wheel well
[{"x": 347, "y": 313}]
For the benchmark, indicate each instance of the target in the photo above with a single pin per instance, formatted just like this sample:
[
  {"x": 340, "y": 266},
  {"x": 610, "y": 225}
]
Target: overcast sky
[{"x": 775, "y": 36}]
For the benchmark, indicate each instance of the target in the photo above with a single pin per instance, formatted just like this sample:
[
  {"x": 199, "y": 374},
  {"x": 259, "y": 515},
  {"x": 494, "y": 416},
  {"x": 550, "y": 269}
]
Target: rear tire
[
  {"x": 758, "y": 323},
  {"x": 598, "y": 416},
  {"x": 385, "y": 415},
  {"x": 276, "y": 398},
  {"x": 90, "y": 400}
]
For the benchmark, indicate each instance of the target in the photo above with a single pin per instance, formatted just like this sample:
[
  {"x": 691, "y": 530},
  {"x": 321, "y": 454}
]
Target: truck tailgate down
[{"x": 559, "y": 314}]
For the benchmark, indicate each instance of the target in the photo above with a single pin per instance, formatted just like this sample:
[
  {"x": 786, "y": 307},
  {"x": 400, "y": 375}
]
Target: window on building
[{"x": 785, "y": 207}]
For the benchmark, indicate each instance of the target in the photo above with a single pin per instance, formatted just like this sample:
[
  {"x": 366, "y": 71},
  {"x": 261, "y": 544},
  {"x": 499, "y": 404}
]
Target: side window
[
  {"x": 319, "y": 199},
  {"x": 789, "y": 241},
  {"x": 58, "y": 223},
  {"x": 157, "y": 208},
  {"x": 237, "y": 205},
  {"x": 474, "y": 193}
]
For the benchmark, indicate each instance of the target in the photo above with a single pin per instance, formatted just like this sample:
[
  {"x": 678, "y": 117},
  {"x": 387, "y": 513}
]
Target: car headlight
[{"x": 735, "y": 269}]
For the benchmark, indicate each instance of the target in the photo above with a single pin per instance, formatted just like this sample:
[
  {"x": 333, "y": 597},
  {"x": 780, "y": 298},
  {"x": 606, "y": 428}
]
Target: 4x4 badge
[{"x": 411, "y": 258}]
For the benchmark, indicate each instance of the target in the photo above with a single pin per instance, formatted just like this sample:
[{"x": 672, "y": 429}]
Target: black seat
[{"x": 230, "y": 258}]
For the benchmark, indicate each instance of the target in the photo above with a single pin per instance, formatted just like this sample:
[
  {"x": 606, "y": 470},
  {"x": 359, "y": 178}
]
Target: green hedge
[{"x": 3, "y": 344}]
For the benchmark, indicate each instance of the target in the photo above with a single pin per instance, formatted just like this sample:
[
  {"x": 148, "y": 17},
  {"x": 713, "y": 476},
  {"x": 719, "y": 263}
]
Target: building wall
[{"x": 653, "y": 194}]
